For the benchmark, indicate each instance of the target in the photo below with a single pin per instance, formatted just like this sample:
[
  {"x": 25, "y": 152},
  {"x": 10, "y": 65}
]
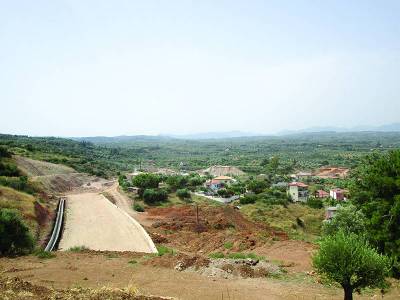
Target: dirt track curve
[{"x": 94, "y": 222}]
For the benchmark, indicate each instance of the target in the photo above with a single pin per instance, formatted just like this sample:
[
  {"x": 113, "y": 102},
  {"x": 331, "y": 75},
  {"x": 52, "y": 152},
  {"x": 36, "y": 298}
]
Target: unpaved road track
[{"x": 94, "y": 222}]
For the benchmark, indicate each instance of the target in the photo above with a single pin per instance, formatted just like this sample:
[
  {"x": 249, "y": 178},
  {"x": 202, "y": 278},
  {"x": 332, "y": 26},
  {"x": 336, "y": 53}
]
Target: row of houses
[{"x": 298, "y": 191}]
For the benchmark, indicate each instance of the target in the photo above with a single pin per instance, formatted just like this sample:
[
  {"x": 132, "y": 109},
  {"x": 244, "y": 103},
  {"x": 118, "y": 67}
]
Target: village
[{"x": 230, "y": 185}]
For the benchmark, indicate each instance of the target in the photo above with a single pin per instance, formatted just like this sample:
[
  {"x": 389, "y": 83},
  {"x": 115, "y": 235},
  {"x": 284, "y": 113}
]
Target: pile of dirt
[
  {"x": 179, "y": 261},
  {"x": 221, "y": 268},
  {"x": 215, "y": 226},
  {"x": 17, "y": 289},
  {"x": 242, "y": 268},
  {"x": 222, "y": 171}
]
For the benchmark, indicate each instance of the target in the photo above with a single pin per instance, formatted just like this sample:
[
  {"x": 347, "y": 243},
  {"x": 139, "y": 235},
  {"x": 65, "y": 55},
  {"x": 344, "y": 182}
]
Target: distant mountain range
[{"x": 395, "y": 127}]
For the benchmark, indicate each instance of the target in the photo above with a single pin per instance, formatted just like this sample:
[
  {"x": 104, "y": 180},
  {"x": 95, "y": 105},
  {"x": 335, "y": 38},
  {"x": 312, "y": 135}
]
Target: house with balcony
[{"x": 298, "y": 191}]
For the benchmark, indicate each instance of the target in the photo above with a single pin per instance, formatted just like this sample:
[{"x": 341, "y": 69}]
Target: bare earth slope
[{"x": 94, "y": 222}]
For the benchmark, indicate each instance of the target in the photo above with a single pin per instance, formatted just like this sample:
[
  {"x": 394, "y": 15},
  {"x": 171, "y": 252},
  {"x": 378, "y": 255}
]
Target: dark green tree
[
  {"x": 376, "y": 192},
  {"x": 152, "y": 196},
  {"x": 257, "y": 186},
  {"x": 146, "y": 181},
  {"x": 183, "y": 193},
  {"x": 15, "y": 237}
]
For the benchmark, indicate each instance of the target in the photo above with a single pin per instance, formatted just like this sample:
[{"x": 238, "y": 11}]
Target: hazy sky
[{"x": 78, "y": 68}]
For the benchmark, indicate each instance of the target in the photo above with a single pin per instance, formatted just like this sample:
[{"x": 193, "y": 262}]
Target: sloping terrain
[
  {"x": 35, "y": 214},
  {"x": 33, "y": 167},
  {"x": 54, "y": 178},
  {"x": 116, "y": 270},
  {"x": 178, "y": 227}
]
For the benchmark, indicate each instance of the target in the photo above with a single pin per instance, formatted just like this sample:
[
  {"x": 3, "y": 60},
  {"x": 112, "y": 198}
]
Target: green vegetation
[
  {"x": 44, "y": 254},
  {"x": 348, "y": 219},
  {"x": 376, "y": 192},
  {"x": 183, "y": 194},
  {"x": 297, "y": 220},
  {"x": 269, "y": 155},
  {"x": 216, "y": 255},
  {"x": 228, "y": 245},
  {"x": 15, "y": 237},
  {"x": 138, "y": 207},
  {"x": 78, "y": 249},
  {"x": 162, "y": 250},
  {"x": 350, "y": 261},
  {"x": 235, "y": 255},
  {"x": 153, "y": 196}
]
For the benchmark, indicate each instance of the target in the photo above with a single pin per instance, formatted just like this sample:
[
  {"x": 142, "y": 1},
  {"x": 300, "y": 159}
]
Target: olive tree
[{"x": 349, "y": 260}]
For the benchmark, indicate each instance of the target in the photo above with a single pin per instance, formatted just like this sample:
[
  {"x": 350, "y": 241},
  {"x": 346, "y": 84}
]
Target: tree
[
  {"x": 15, "y": 237},
  {"x": 183, "y": 194},
  {"x": 146, "y": 181},
  {"x": 274, "y": 163},
  {"x": 152, "y": 196},
  {"x": 176, "y": 182},
  {"x": 376, "y": 192},
  {"x": 257, "y": 186},
  {"x": 349, "y": 260},
  {"x": 347, "y": 219}
]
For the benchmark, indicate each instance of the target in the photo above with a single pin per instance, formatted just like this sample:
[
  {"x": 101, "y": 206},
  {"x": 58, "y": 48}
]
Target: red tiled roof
[{"x": 299, "y": 184}]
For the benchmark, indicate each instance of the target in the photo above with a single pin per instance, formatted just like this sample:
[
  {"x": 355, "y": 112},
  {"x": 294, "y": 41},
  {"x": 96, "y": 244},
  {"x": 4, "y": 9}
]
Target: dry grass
[
  {"x": 297, "y": 220},
  {"x": 24, "y": 203}
]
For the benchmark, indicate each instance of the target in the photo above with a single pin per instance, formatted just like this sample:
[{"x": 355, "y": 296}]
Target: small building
[
  {"x": 321, "y": 194},
  {"x": 133, "y": 189},
  {"x": 298, "y": 191},
  {"x": 338, "y": 194},
  {"x": 218, "y": 182},
  {"x": 330, "y": 212}
]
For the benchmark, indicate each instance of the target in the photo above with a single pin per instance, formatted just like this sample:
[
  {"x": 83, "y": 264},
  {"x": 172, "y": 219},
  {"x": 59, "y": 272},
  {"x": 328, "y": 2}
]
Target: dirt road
[
  {"x": 126, "y": 204},
  {"x": 94, "y": 222}
]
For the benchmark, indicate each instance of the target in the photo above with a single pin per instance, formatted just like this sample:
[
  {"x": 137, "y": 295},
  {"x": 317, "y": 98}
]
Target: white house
[{"x": 298, "y": 191}]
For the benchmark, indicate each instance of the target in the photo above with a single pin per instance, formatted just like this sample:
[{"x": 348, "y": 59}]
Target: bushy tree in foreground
[
  {"x": 349, "y": 260},
  {"x": 15, "y": 237}
]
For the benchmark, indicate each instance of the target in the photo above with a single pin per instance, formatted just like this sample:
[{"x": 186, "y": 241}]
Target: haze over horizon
[{"x": 74, "y": 68}]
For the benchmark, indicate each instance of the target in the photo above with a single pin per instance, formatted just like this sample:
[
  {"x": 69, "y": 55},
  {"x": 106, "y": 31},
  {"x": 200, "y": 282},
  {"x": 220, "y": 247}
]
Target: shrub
[
  {"x": 44, "y": 254},
  {"x": 78, "y": 248},
  {"x": 183, "y": 194},
  {"x": 216, "y": 255},
  {"x": 228, "y": 245},
  {"x": 138, "y": 207},
  {"x": 146, "y": 181},
  {"x": 15, "y": 237},
  {"x": 162, "y": 250},
  {"x": 152, "y": 196},
  {"x": 315, "y": 203},
  {"x": 4, "y": 152},
  {"x": 349, "y": 260},
  {"x": 248, "y": 199}
]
